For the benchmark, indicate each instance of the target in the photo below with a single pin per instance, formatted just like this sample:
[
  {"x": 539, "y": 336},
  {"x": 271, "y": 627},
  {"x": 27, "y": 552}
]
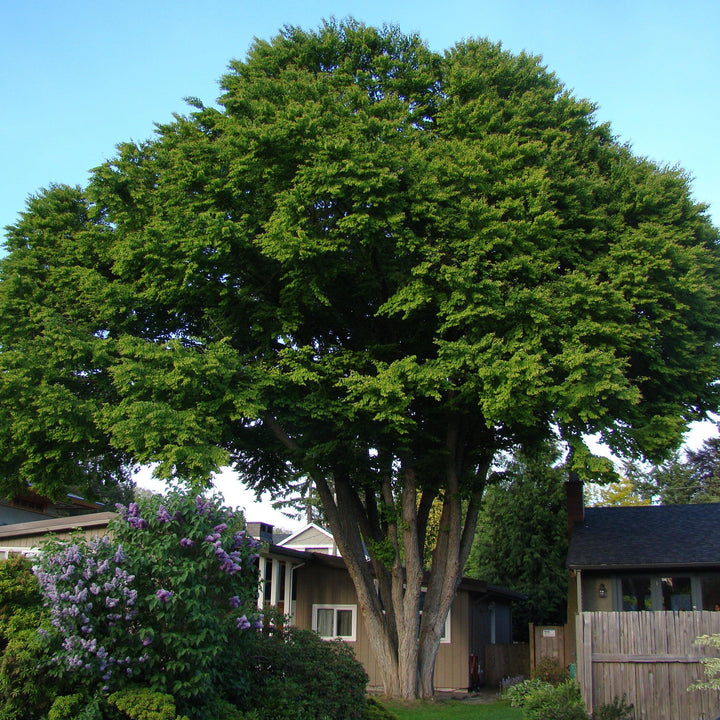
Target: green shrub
[
  {"x": 618, "y": 709},
  {"x": 144, "y": 704},
  {"x": 156, "y": 607},
  {"x": 292, "y": 674},
  {"x": 75, "y": 707},
  {"x": 550, "y": 670},
  {"x": 374, "y": 710},
  {"x": 518, "y": 693},
  {"x": 555, "y": 702},
  {"x": 22, "y": 697}
]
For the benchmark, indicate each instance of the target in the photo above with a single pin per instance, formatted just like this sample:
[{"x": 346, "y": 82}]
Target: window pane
[
  {"x": 636, "y": 593},
  {"x": 676, "y": 593},
  {"x": 344, "y": 623},
  {"x": 325, "y": 622},
  {"x": 711, "y": 592}
]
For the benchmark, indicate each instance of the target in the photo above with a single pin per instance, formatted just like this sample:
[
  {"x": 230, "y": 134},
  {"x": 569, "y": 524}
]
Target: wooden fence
[
  {"x": 651, "y": 658},
  {"x": 503, "y": 661},
  {"x": 547, "y": 641}
]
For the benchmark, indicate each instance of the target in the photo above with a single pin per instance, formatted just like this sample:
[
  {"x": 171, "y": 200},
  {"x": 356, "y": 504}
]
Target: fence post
[
  {"x": 532, "y": 647},
  {"x": 583, "y": 653}
]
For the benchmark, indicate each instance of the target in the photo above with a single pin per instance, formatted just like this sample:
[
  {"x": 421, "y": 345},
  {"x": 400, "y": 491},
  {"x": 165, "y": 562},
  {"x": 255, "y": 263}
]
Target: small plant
[
  {"x": 376, "y": 711},
  {"x": 555, "y": 702},
  {"x": 618, "y": 709},
  {"x": 144, "y": 704},
  {"x": 550, "y": 670},
  {"x": 518, "y": 693},
  {"x": 508, "y": 682}
]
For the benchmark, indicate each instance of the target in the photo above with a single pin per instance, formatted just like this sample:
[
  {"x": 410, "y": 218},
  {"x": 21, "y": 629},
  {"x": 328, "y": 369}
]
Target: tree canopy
[{"x": 374, "y": 266}]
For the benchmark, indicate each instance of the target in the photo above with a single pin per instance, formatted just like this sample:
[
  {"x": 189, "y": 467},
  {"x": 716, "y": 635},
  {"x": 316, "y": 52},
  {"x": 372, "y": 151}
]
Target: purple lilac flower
[
  {"x": 163, "y": 515},
  {"x": 147, "y": 640},
  {"x": 219, "y": 528},
  {"x": 259, "y": 621},
  {"x": 234, "y": 601},
  {"x": 243, "y": 623},
  {"x": 163, "y": 596},
  {"x": 187, "y": 542},
  {"x": 203, "y": 506}
]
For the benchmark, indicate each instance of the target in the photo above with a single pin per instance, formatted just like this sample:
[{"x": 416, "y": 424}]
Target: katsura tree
[{"x": 372, "y": 266}]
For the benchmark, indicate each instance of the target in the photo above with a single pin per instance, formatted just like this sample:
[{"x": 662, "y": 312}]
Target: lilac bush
[
  {"x": 155, "y": 605},
  {"x": 92, "y": 606}
]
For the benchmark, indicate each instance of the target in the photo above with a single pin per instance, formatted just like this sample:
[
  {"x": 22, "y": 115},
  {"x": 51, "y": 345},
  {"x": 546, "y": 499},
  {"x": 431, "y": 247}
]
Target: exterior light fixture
[{"x": 602, "y": 590}]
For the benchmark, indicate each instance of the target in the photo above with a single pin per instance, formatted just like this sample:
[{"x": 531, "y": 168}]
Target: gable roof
[{"x": 649, "y": 536}]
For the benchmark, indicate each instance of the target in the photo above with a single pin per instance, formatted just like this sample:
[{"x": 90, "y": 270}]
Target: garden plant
[{"x": 158, "y": 621}]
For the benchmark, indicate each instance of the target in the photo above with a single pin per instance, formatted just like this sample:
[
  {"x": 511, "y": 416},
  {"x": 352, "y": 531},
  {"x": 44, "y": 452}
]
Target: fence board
[{"x": 648, "y": 656}]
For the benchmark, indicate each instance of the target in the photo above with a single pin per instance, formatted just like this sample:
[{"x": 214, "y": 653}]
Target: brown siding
[{"x": 327, "y": 585}]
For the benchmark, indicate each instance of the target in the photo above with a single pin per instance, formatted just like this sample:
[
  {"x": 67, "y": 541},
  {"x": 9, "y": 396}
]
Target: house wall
[
  {"x": 592, "y": 602},
  {"x": 312, "y": 539},
  {"x": 322, "y": 585}
]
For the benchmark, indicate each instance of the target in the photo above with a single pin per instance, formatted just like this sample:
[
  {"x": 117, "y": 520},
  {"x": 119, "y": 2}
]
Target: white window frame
[{"x": 335, "y": 608}]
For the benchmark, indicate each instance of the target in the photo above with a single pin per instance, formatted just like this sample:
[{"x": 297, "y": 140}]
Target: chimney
[
  {"x": 575, "y": 504},
  {"x": 260, "y": 531}
]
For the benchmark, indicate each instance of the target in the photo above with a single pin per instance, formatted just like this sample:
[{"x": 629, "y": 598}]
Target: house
[
  {"x": 314, "y": 589},
  {"x": 24, "y": 538},
  {"x": 305, "y": 577},
  {"x": 644, "y": 582},
  {"x": 30, "y": 506},
  {"x": 652, "y": 557},
  {"x": 311, "y": 538}
]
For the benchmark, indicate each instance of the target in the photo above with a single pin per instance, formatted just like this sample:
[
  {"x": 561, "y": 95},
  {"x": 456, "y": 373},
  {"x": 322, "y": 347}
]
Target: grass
[{"x": 453, "y": 710}]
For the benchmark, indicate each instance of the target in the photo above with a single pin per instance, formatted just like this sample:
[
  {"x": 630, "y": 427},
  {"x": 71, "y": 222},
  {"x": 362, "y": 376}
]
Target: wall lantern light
[{"x": 602, "y": 590}]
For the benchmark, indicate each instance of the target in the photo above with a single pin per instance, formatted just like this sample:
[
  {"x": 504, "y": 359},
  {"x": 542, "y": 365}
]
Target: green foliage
[
  {"x": 556, "y": 702},
  {"x": 156, "y": 606},
  {"x": 375, "y": 710},
  {"x": 75, "y": 707},
  {"x": 293, "y": 675},
  {"x": 372, "y": 265},
  {"x": 549, "y": 670},
  {"x": 694, "y": 478},
  {"x": 518, "y": 693},
  {"x": 521, "y": 538},
  {"x": 143, "y": 704},
  {"x": 711, "y": 665},
  {"x": 22, "y": 697}
]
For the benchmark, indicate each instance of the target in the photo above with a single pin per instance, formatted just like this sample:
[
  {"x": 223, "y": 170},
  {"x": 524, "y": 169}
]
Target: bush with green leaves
[
  {"x": 375, "y": 710},
  {"x": 158, "y": 605},
  {"x": 519, "y": 692},
  {"x": 550, "y": 670},
  {"x": 22, "y": 697},
  {"x": 291, "y": 674},
  {"x": 555, "y": 702}
]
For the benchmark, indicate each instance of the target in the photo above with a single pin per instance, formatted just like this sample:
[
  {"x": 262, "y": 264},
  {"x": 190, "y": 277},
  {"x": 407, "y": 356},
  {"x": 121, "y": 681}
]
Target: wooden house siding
[{"x": 324, "y": 585}]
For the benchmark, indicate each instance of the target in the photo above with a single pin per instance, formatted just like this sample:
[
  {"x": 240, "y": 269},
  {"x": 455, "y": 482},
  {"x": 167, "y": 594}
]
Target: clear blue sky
[{"x": 80, "y": 76}]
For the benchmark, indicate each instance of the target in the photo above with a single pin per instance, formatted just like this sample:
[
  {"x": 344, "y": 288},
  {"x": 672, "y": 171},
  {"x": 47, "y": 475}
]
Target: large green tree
[{"x": 375, "y": 267}]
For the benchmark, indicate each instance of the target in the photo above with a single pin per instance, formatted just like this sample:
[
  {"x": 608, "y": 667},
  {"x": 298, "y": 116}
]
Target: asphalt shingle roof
[{"x": 647, "y": 536}]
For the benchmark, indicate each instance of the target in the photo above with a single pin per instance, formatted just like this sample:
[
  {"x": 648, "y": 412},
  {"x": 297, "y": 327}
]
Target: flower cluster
[
  {"x": 131, "y": 515},
  {"x": 91, "y": 602}
]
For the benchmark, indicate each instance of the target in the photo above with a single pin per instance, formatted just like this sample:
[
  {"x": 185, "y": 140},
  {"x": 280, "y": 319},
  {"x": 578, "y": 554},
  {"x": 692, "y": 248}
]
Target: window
[
  {"x": 335, "y": 621},
  {"x": 445, "y": 632},
  {"x": 676, "y": 593},
  {"x": 636, "y": 593}
]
